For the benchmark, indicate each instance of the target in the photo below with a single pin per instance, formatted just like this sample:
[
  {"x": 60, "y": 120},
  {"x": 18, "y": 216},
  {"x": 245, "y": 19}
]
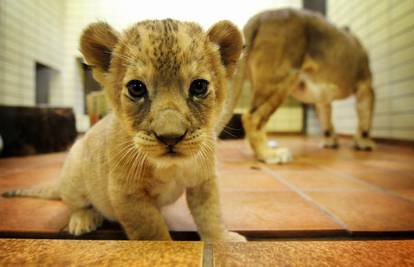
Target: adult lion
[{"x": 299, "y": 53}]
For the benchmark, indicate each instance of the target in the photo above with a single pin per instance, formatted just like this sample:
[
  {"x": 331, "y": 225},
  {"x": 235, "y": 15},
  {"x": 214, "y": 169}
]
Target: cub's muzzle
[
  {"x": 169, "y": 127},
  {"x": 170, "y": 140}
]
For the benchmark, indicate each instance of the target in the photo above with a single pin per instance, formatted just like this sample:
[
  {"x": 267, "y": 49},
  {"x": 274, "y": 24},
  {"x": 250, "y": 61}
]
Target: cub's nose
[
  {"x": 171, "y": 139},
  {"x": 169, "y": 126}
]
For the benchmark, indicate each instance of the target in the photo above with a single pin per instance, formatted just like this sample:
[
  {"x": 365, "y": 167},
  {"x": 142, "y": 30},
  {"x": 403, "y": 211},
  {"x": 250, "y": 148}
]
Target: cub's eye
[
  {"x": 136, "y": 89},
  {"x": 199, "y": 88}
]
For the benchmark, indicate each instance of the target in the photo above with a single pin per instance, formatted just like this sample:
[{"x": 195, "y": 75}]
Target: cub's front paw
[
  {"x": 226, "y": 236},
  {"x": 84, "y": 221},
  {"x": 275, "y": 155},
  {"x": 234, "y": 237},
  {"x": 361, "y": 143}
]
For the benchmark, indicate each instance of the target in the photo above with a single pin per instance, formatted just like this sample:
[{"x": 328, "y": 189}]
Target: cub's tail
[{"x": 51, "y": 192}]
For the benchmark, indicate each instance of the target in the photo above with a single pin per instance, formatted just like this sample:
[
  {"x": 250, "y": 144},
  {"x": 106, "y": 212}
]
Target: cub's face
[{"x": 166, "y": 81}]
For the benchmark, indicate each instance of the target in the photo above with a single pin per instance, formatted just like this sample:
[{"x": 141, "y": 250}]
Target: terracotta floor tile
[
  {"x": 253, "y": 200},
  {"x": 248, "y": 179},
  {"x": 18, "y": 164},
  {"x": 391, "y": 161},
  {"x": 237, "y": 165},
  {"x": 340, "y": 166},
  {"x": 32, "y": 215},
  {"x": 260, "y": 213},
  {"x": 28, "y": 178},
  {"x": 296, "y": 164},
  {"x": 231, "y": 156},
  {"x": 392, "y": 165},
  {"x": 273, "y": 213},
  {"x": 320, "y": 180},
  {"x": 29, "y": 252},
  {"x": 229, "y": 151},
  {"x": 368, "y": 211},
  {"x": 315, "y": 253},
  {"x": 408, "y": 194},
  {"x": 231, "y": 143},
  {"x": 384, "y": 179}
]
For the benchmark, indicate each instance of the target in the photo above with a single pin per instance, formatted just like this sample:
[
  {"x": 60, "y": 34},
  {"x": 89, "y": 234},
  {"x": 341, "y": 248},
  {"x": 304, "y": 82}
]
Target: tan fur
[
  {"x": 119, "y": 170},
  {"x": 299, "y": 53}
]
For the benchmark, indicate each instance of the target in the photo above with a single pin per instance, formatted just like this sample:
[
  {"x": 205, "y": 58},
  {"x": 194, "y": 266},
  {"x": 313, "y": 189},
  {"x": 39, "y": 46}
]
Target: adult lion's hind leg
[
  {"x": 254, "y": 123},
  {"x": 365, "y": 107},
  {"x": 324, "y": 111}
]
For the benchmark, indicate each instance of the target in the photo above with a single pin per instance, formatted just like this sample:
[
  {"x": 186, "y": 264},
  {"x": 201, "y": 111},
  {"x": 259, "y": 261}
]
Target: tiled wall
[
  {"x": 30, "y": 31},
  {"x": 386, "y": 29}
]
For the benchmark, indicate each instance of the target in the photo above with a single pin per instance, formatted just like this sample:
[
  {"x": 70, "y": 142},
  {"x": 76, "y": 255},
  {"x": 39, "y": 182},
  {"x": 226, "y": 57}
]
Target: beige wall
[{"x": 386, "y": 29}]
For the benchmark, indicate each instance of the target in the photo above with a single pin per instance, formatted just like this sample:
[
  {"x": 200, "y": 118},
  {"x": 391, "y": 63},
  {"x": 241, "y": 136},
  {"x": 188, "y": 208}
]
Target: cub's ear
[
  {"x": 229, "y": 39},
  {"x": 96, "y": 44}
]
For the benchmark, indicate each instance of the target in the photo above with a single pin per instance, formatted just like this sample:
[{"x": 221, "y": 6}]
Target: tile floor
[
  {"x": 334, "y": 193},
  {"x": 32, "y": 252},
  {"x": 315, "y": 253}
]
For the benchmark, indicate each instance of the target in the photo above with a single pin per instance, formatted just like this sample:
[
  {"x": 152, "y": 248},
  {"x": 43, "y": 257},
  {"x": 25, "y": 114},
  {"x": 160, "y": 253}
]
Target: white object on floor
[{"x": 273, "y": 143}]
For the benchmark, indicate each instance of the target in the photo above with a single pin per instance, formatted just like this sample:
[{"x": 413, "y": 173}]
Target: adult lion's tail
[
  {"x": 235, "y": 85},
  {"x": 51, "y": 192}
]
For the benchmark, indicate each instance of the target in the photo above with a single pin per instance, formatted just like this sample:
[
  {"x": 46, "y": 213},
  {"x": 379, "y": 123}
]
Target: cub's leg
[
  {"x": 138, "y": 214},
  {"x": 324, "y": 111},
  {"x": 204, "y": 204},
  {"x": 255, "y": 120},
  {"x": 365, "y": 98},
  {"x": 83, "y": 218}
]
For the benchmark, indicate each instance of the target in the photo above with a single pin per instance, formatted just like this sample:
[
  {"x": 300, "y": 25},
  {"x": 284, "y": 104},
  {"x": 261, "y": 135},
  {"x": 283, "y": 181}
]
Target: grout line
[
  {"x": 294, "y": 188},
  {"x": 207, "y": 255}
]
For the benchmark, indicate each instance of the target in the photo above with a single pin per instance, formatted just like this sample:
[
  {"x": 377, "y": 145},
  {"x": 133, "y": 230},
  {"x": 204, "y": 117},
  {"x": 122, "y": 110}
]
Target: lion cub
[{"x": 166, "y": 82}]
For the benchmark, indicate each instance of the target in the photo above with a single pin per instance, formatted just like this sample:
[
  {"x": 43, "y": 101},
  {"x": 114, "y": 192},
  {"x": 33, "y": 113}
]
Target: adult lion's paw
[
  {"x": 330, "y": 142},
  {"x": 361, "y": 143},
  {"x": 275, "y": 155}
]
